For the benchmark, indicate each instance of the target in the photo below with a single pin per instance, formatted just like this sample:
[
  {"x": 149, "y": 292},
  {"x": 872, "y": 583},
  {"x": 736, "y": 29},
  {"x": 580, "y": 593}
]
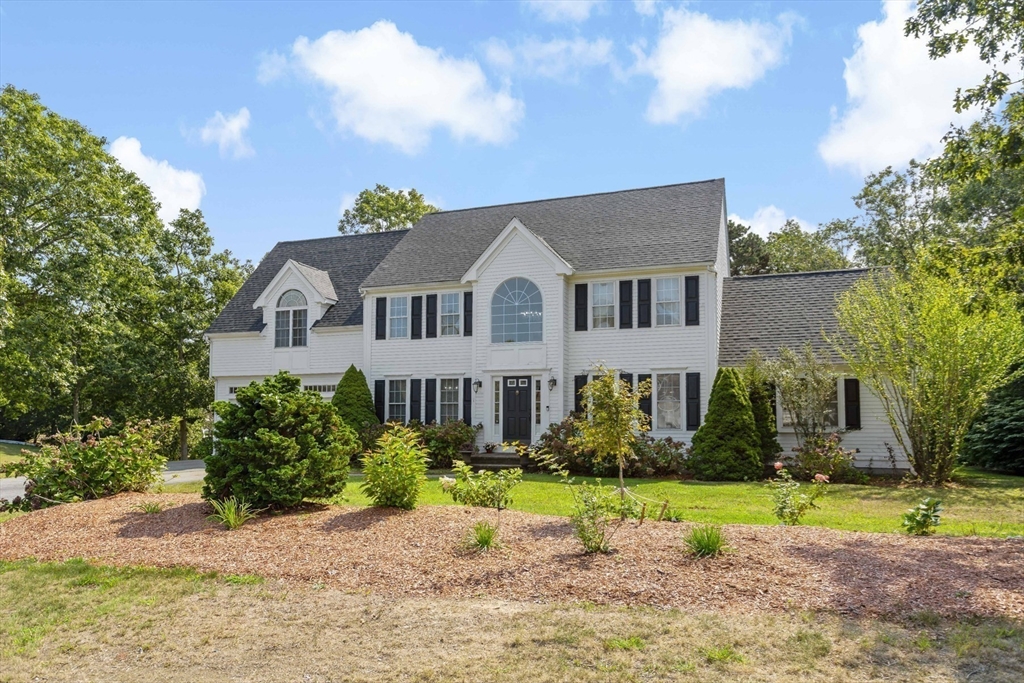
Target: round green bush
[
  {"x": 278, "y": 446},
  {"x": 394, "y": 473}
]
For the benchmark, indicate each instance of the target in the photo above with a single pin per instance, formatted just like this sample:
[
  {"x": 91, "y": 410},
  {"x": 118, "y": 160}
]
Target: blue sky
[{"x": 271, "y": 117}]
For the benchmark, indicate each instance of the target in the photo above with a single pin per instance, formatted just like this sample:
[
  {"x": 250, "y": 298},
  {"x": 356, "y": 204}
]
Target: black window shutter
[
  {"x": 431, "y": 316},
  {"x": 578, "y": 382},
  {"x": 645, "y": 403},
  {"x": 851, "y": 388},
  {"x": 378, "y": 398},
  {"x": 467, "y": 309},
  {"x": 625, "y": 304},
  {"x": 692, "y": 401},
  {"x": 414, "y": 400},
  {"x": 692, "y": 293},
  {"x": 643, "y": 303},
  {"x": 467, "y": 400},
  {"x": 581, "y": 308},
  {"x": 417, "y": 317},
  {"x": 382, "y": 317},
  {"x": 627, "y": 377},
  {"x": 431, "y": 402}
]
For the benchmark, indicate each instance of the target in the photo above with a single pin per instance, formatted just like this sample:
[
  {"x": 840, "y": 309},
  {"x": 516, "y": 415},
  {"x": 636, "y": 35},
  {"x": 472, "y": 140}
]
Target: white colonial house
[{"x": 498, "y": 315}]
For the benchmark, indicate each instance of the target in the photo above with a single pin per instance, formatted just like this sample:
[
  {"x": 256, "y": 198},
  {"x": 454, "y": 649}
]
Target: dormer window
[{"x": 290, "y": 320}]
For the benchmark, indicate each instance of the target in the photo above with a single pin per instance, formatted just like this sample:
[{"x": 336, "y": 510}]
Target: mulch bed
[{"x": 418, "y": 553}]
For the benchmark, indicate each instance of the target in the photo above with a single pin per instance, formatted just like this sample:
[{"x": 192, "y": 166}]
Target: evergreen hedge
[
  {"x": 996, "y": 438},
  {"x": 727, "y": 446}
]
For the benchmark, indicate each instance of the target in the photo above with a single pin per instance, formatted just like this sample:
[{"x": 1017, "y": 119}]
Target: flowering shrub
[
  {"x": 825, "y": 455},
  {"x": 483, "y": 488},
  {"x": 446, "y": 442},
  {"x": 394, "y": 474},
  {"x": 789, "y": 497},
  {"x": 83, "y": 465}
]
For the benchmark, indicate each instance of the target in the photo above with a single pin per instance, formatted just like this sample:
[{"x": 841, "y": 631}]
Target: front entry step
[{"x": 495, "y": 461}]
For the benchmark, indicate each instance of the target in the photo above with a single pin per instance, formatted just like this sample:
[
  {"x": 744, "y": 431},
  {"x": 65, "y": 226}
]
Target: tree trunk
[
  {"x": 182, "y": 439},
  {"x": 75, "y": 403},
  {"x": 622, "y": 495}
]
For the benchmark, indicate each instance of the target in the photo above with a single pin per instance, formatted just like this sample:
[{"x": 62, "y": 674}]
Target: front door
[{"x": 516, "y": 426}]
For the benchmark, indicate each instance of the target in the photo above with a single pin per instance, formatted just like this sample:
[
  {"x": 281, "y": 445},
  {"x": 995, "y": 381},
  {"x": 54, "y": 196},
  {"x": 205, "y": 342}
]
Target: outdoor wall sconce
[
  {"x": 552, "y": 383},
  {"x": 476, "y": 386}
]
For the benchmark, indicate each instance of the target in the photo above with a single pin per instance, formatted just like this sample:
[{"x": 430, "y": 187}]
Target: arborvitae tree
[
  {"x": 762, "y": 393},
  {"x": 353, "y": 400},
  {"x": 727, "y": 446},
  {"x": 278, "y": 446}
]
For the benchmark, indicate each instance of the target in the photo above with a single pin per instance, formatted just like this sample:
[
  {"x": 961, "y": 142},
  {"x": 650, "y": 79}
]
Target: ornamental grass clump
[
  {"x": 791, "y": 500},
  {"x": 705, "y": 540},
  {"x": 232, "y": 512},
  {"x": 482, "y": 537},
  {"x": 394, "y": 473}
]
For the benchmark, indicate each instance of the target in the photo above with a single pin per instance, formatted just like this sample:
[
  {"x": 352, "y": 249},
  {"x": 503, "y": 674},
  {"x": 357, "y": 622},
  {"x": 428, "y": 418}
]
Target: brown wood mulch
[{"x": 419, "y": 553}]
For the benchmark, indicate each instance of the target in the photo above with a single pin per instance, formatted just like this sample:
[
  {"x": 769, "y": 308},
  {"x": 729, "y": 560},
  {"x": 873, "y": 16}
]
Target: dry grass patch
[{"x": 75, "y": 621}]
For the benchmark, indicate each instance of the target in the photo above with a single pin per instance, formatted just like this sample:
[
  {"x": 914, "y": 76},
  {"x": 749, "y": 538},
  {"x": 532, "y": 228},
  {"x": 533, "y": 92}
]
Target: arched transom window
[
  {"x": 517, "y": 312},
  {"x": 290, "y": 320}
]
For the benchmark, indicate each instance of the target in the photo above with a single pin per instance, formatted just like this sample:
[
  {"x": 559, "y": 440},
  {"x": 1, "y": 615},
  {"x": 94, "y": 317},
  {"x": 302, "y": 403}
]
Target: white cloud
[
  {"x": 647, "y": 8},
  {"x": 560, "y": 58},
  {"x": 697, "y": 57},
  {"x": 174, "y": 188},
  {"x": 562, "y": 10},
  {"x": 385, "y": 87},
  {"x": 768, "y": 219},
  {"x": 273, "y": 65},
  {"x": 229, "y": 133},
  {"x": 899, "y": 102}
]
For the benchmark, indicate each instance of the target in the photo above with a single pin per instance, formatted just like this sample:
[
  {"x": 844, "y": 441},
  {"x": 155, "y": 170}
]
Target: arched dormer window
[
  {"x": 290, "y": 320},
  {"x": 517, "y": 312}
]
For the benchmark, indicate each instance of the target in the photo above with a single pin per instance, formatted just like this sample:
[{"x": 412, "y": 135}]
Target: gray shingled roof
[
  {"x": 348, "y": 259},
  {"x": 320, "y": 280},
  {"x": 631, "y": 228},
  {"x": 766, "y": 312}
]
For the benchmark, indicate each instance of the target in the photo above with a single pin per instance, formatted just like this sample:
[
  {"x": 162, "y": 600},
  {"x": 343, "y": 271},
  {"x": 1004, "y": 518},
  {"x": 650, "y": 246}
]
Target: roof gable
[
  {"x": 315, "y": 279},
  {"x": 513, "y": 229}
]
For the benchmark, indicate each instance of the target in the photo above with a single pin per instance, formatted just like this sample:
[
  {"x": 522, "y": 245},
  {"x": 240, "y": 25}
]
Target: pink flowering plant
[{"x": 791, "y": 499}]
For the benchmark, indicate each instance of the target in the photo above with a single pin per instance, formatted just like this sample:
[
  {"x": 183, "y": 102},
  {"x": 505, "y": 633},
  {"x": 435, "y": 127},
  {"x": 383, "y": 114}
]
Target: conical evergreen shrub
[
  {"x": 353, "y": 401},
  {"x": 727, "y": 446},
  {"x": 760, "y": 394}
]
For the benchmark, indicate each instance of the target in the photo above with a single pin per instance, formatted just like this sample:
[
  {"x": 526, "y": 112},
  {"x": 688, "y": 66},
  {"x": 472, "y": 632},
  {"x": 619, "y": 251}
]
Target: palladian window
[
  {"x": 517, "y": 312},
  {"x": 290, "y": 320}
]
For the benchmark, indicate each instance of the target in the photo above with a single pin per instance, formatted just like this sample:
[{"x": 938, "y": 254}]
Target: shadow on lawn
[{"x": 935, "y": 574}]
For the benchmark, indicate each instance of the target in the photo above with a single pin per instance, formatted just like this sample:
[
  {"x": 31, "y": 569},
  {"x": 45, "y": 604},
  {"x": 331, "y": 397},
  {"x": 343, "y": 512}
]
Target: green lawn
[
  {"x": 980, "y": 503},
  {"x": 10, "y": 452}
]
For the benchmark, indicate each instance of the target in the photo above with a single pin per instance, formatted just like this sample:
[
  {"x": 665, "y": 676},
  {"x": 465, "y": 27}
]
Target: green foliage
[
  {"x": 594, "y": 509},
  {"x": 705, "y": 540},
  {"x": 924, "y": 518},
  {"x": 482, "y": 537},
  {"x": 793, "y": 250},
  {"x": 150, "y": 507},
  {"x": 394, "y": 473},
  {"x": 825, "y": 455},
  {"x": 232, "y": 512},
  {"x": 789, "y": 498},
  {"x": 354, "y": 403},
  {"x": 630, "y": 643},
  {"x": 996, "y": 437},
  {"x": 278, "y": 446},
  {"x": 931, "y": 348},
  {"x": 650, "y": 458},
  {"x": 447, "y": 441},
  {"x": 82, "y": 464},
  {"x": 727, "y": 446},
  {"x": 761, "y": 392},
  {"x": 808, "y": 385},
  {"x": 483, "y": 488},
  {"x": 748, "y": 254},
  {"x": 382, "y": 209},
  {"x": 656, "y": 457}
]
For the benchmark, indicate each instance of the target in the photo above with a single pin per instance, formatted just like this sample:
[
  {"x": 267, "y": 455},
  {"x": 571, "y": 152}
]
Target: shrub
[
  {"x": 705, "y": 540},
  {"x": 446, "y": 441},
  {"x": 482, "y": 489},
  {"x": 995, "y": 440},
  {"x": 232, "y": 512},
  {"x": 354, "y": 403},
  {"x": 761, "y": 392},
  {"x": 650, "y": 458},
  {"x": 482, "y": 537},
  {"x": 922, "y": 520},
  {"x": 278, "y": 446},
  {"x": 825, "y": 455},
  {"x": 727, "y": 447},
  {"x": 594, "y": 509},
  {"x": 395, "y": 472},
  {"x": 82, "y": 464},
  {"x": 656, "y": 457},
  {"x": 788, "y": 496}
]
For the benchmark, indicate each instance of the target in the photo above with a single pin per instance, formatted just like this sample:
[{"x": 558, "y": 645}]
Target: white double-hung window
[
  {"x": 667, "y": 302},
  {"x": 670, "y": 414},
  {"x": 290, "y": 320},
  {"x": 399, "y": 317},
  {"x": 450, "y": 311},
  {"x": 603, "y": 304},
  {"x": 396, "y": 400},
  {"x": 449, "y": 400}
]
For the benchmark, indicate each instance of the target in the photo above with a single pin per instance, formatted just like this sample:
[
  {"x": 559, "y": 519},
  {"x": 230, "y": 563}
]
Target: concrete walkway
[{"x": 176, "y": 472}]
